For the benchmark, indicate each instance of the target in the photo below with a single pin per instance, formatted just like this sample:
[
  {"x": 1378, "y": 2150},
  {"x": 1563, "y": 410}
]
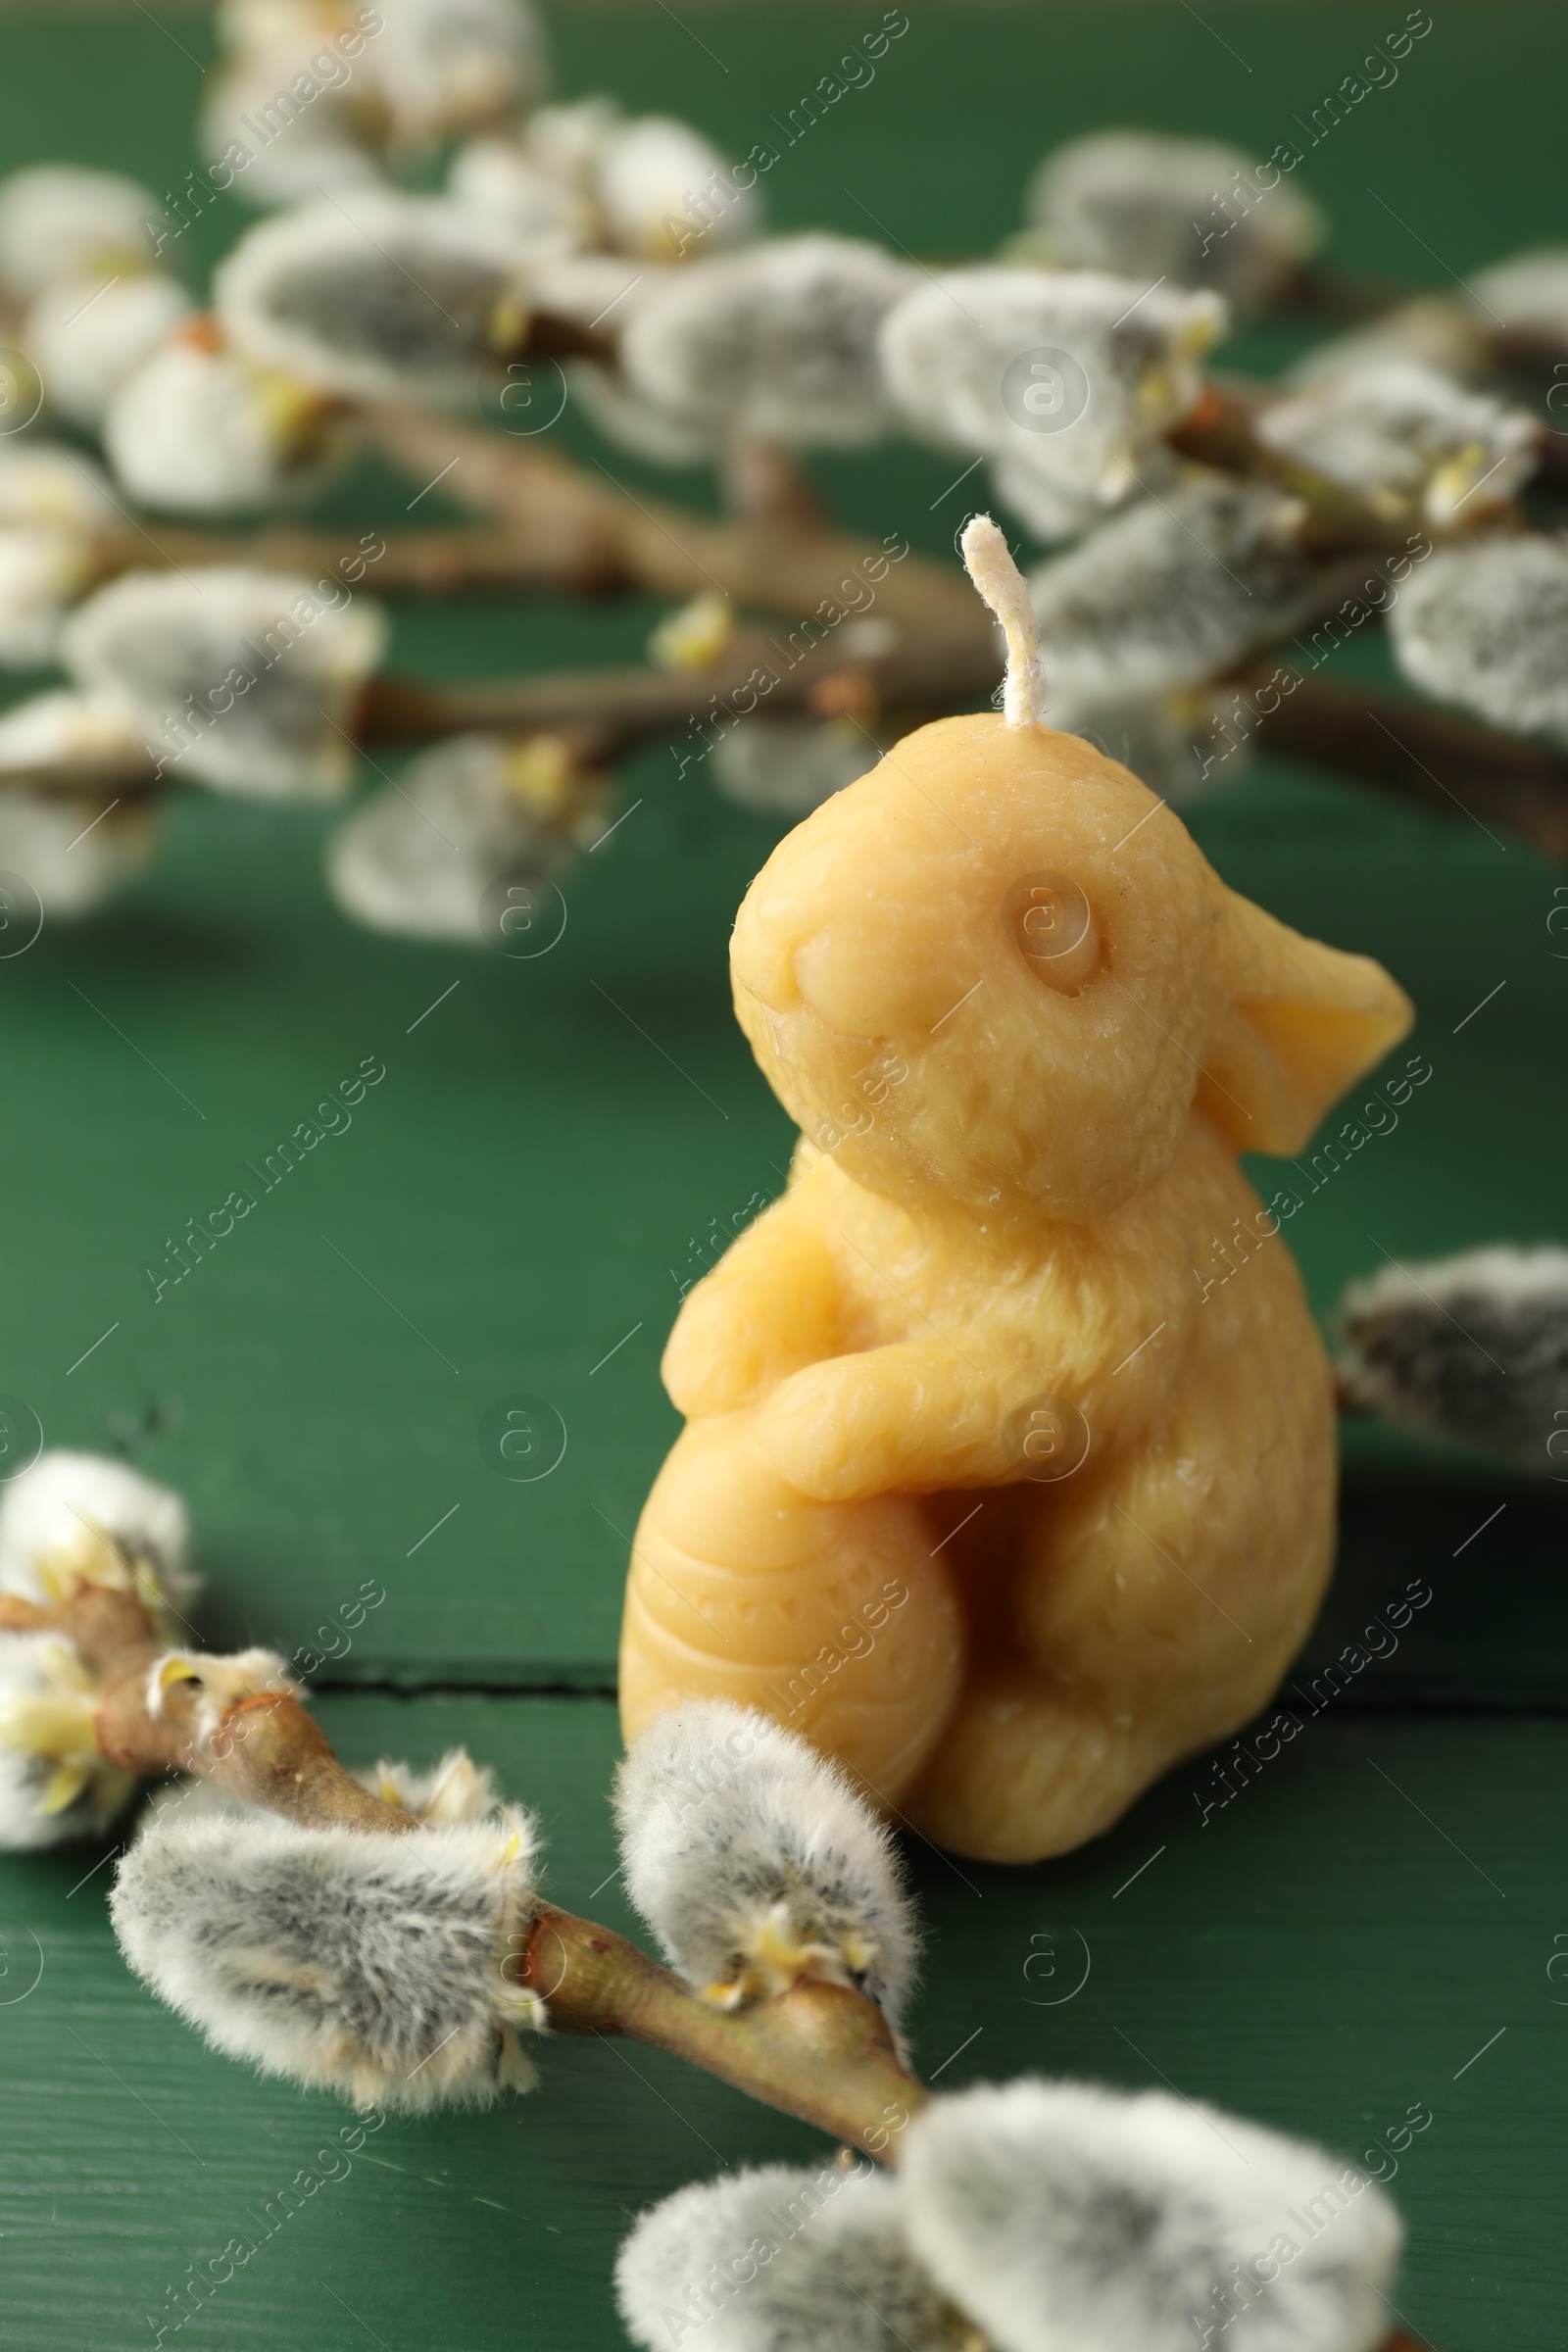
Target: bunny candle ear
[
  {"x": 1297, "y": 1024},
  {"x": 990, "y": 566}
]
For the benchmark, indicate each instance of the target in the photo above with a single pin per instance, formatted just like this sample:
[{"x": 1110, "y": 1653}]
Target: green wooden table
[{"x": 1370, "y": 1924}]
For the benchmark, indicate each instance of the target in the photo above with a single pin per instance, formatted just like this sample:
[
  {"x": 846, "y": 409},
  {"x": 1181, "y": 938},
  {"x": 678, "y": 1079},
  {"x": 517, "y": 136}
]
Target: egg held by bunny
[{"x": 985, "y": 1486}]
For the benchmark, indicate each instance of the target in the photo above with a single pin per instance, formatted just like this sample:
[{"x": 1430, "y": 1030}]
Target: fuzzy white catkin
[
  {"x": 79, "y": 1514},
  {"x": 1070, "y": 375},
  {"x": 59, "y": 725},
  {"x": 1473, "y": 1347},
  {"x": 61, "y": 220},
  {"x": 44, "y": 482},
  {"x": 777, "y": 342},
  {"x": 1173, "y": 591},
  {"x": 1432, "y": 330},
  {"x": 289, "y": 151},
  {"x": 1066, "y": 2217},
  {"x": 195, "y": 431},
  {"x": 454, "y": 1791},
  {"x": 665, "y": 192},
  {"x": 1149, "y": 208},
  {"x": 75, "y": 850},
  {"x": 602, "y": 290},
  {"x": 1526, "y": 295},
  {"x": 43, "y": 573},
  {"x": 186, "y": 1796},
  {"x": 376, "y": 296},
  {"x": 445, "y": 66},
  {"x": 498, "y": 180},
  {"x": 790, "y": 765},
  {"x": 1051, "y": 505},
  {"x": 632, "y": 421},
  {"x": 566, "y": 141},
  {"x": 1487, "y": 626},
  {"x": 53, "y": 1783},
  {"x": 746, "y": 1850},
  {"x": 1177, "y": 744},
  {"x": 781, "y": 2259},
  {"x": 419, "y": 858},
  {"x": 370, "y": 1963},
  {"x": 1396, "y": 429},
  {"x": 254, "y": 673},
  {"x": 84, "y": 338},
  {"x": 76, "y": 853}
]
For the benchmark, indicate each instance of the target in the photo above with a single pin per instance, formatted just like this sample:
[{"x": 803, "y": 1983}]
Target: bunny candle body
[{"x": 987, "y": 1486}]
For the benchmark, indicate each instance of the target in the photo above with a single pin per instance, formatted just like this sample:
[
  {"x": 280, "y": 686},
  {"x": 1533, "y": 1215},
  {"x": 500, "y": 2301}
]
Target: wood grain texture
[
  {"x": 554, "y": 1144},
  {"x": 532, "y": 1167}
]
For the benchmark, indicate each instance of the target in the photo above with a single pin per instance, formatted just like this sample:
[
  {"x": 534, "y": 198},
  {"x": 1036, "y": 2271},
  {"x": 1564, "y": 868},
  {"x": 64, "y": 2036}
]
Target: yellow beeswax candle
[{"x": 989, "y": 1486}]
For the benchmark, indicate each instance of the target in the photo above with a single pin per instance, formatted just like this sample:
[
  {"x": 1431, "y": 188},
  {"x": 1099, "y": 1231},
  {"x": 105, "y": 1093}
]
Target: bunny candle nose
[
  {"x": 761, "y": 949},
  {"x": 838, "y": 924}
]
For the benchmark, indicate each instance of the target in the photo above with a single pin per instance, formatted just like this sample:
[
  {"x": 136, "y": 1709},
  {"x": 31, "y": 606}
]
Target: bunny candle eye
[{"x": 1055, "y": 929}]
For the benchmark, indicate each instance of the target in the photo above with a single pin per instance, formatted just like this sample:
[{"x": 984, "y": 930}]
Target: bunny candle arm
[
  {"x": 993, "y": 1483},
  {"x": 768, "y": 1308}
]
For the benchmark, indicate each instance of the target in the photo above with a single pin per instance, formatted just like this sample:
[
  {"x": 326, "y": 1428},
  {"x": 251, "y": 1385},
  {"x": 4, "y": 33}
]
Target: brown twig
[
  {"x": 1451, "y": 765},
  {"x": 769, "y": 565},
  {"x": 936, "y": 669},
  {"x": 604, "y": 712},
  {"x": 1318, "y": 290},
  {"x": 552, "y": 527},
  {"x": 267, "y": 1750},
  {"x": 114, "y": 776},
  {"x": 436, "y": 562},
  {"x": 1441, "y": 762},
  {"x": 817, "y": 2051}
]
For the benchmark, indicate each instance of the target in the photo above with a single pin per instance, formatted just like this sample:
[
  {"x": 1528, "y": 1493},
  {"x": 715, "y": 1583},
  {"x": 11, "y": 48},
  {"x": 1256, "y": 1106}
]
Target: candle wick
[{"x": 997, "y": 576}]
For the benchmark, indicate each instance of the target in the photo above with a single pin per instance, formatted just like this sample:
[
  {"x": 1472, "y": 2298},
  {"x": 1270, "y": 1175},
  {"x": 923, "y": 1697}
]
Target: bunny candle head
[
  {"x": 1018, "y": 920},
  {"x": 989, "y": 1485}
]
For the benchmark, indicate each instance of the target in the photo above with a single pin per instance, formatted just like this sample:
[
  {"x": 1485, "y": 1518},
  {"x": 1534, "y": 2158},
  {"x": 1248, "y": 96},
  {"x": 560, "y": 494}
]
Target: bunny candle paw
[{"x": 987, "y": 1487}]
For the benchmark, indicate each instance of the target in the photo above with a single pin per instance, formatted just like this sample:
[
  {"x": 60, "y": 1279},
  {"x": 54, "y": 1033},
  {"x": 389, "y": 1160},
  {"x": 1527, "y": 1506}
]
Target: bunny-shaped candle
[{"x": 988, "y": 1486}]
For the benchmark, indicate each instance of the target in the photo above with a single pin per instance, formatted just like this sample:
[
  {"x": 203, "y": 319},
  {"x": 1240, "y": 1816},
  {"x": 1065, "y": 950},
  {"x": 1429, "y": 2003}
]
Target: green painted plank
[
  {"x": 523, "y": 1192},
  {"x": 521, "y": 1183},
  {"x": 1340, "y": 1943}
]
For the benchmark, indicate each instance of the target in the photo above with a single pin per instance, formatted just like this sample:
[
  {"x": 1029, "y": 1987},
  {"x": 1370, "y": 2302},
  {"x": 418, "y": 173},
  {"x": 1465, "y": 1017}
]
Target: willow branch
[
  {"x": 605, "y": 713},
  {"x": 491, "y": 557},
  {"x": 115, "y": 775},
  {"x": 1452, "y": 765},
  {"x": 1318, "y": 290},
  {"x": 775, "y": 562},
  {"x": 936, "y": 668},
  {"x": 266, "y": 1750},
  {"x": 1419, "y": 754},
  {"x": 1221, "y": 431},
  {"x": 817, "y": 2051}
]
